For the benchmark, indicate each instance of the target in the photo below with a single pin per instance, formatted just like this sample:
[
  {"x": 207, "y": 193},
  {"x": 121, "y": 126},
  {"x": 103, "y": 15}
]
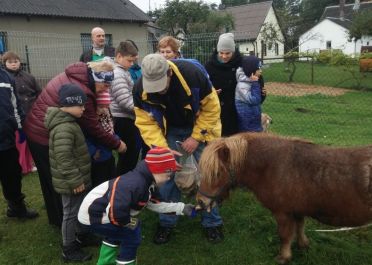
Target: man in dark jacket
[
  {"x": 99, "y": 49},
  {"x": 222, "y": 72},
  {"x": 11, "y": 116}
]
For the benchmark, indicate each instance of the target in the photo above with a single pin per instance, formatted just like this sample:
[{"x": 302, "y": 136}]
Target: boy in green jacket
[{"x": 70, "y": 164}]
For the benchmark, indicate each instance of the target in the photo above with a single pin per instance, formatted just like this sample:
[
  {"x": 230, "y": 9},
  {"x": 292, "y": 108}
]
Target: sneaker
[
  {"x": 162, "y": 235},
  {"x": 73, "y": 253},
  {"x": 34, "y": 169},
  {"x": 214, "y": 234}
]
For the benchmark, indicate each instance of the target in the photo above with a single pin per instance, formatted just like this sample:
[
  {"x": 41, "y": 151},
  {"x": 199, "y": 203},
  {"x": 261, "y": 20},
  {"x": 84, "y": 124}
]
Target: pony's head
[{"x": 218, "y": 164}]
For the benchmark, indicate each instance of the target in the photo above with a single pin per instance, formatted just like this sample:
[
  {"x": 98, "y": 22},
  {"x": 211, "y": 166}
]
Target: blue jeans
[
  {"x": 128, "y": 239},
  {"x": 169, "y": 191}
]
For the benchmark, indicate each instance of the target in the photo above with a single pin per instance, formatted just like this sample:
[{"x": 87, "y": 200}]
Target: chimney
[
  {"x": 342, "y": 11},
  {"x": 356, "y": 5}
]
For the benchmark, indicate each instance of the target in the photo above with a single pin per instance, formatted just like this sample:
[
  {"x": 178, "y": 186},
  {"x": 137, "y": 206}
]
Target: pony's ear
[{"x": 223, "y": 153}]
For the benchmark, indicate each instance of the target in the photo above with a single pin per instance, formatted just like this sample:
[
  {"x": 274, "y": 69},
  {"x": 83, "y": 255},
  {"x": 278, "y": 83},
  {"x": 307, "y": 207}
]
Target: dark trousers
[
  {"x": 129, "y": 133},
  {"x": 10, "y": 174},
  {"x": 52, "y": 199},
  {"x": 128, "y": 239},
  {"x": 103, "y": 171}
]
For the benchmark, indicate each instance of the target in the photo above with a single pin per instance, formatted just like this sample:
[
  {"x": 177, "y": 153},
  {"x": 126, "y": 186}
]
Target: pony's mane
[{"x": 210, "y": 163}]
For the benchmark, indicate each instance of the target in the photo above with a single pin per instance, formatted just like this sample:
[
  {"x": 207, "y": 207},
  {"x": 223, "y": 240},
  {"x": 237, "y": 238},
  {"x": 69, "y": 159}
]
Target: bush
[{"x": 366, "y": 55}]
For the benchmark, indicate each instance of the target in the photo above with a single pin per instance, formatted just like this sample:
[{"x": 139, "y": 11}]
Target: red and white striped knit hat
[
  {"x": 103, "y": 98},
  {"x": 160, "y": 160}
]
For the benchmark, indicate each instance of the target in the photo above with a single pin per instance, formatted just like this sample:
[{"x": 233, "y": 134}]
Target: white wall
[
  {"x": 271, "y": 19},
  {"x": 316, "y": 39}
]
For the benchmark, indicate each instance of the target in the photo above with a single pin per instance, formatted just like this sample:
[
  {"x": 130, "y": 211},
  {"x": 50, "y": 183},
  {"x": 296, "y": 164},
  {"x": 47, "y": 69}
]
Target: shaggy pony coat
[{"x": 293, "y": 178}]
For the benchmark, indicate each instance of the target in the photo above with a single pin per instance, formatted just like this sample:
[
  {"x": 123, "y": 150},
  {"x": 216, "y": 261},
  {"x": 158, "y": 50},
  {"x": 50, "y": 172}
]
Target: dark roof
[
  {"x": 114, "y": 10},
  {"x": 333, "y": 13},
  {"x": 249, "y": 18}
]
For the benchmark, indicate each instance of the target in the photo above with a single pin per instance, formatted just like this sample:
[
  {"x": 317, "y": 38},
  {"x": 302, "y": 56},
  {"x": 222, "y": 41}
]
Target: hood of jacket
[
  {"x": 241, "y": 77},
  {"x": 55, "y": 116}
]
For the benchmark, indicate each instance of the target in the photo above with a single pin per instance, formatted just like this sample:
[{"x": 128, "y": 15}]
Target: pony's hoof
[
  {"x": 304, "y": 244},
  {"x": 281, "y": 260}
]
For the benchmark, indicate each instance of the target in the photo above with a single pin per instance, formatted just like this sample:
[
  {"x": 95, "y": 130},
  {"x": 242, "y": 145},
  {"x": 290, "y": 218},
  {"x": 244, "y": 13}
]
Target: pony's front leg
[
  {"x": 302, "y": 240},
  {"x": 286, "y": 231}
]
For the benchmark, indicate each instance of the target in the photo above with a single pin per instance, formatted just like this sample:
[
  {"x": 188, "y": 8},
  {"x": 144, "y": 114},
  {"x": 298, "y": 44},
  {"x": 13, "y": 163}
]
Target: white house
[
  {"x": 257, "y": 30},
  {"x": 332, "y": 32}
]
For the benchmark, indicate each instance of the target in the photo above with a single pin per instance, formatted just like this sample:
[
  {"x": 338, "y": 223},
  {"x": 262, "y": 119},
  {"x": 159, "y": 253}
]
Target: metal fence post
[
  {"x": 27, "y": 59},
  {"x": 312, "y": 70}
]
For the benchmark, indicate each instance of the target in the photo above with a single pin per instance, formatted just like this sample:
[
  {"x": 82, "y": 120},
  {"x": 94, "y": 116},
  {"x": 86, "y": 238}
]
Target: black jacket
[
  {"x": 27, "y": 88},
  {"x": 223, "y": 76},
  {"x": 87, "y": 56},
  {"x": 11, "y": 114}
]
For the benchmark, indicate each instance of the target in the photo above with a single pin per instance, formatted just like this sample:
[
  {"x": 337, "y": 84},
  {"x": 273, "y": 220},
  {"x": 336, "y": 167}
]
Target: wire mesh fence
[{"x": 328, "y": 104}]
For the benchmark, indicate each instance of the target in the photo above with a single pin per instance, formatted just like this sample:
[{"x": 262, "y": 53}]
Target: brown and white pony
[{"x": 293, "y": 178}]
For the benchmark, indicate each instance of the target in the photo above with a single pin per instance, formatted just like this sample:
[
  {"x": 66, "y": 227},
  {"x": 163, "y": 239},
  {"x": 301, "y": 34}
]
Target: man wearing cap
[
  {"x": 111, "y": 208},
  {"x": 175, "y": 101},
  {"x": 99, "y": 48}
]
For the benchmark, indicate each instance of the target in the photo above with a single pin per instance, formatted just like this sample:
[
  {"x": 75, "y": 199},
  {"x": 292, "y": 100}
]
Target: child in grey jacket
[{"x": 248, "y": 95}]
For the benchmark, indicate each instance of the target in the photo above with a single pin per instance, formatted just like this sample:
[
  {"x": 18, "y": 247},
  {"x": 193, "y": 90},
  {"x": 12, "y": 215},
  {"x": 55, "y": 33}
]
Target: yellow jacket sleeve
[
  {"x": 150, "y": 131},
  {"x": 208, "y": 123}
]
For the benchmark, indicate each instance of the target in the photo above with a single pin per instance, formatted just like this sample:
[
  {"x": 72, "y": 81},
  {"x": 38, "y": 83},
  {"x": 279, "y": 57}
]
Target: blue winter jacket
[
  {"x": 248, "y": 103},
  {"x": 11, "y": 113}
]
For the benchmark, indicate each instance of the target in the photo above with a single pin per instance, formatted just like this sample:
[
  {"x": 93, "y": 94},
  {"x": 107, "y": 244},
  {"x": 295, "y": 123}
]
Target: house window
[
  {"x": 86, "y": 40},
  {"x": 276, "y": 49},
  {"x": 264, "y": 49},
  {"x": 329, "y": 45},
  {"x": 3, "y": 42}
]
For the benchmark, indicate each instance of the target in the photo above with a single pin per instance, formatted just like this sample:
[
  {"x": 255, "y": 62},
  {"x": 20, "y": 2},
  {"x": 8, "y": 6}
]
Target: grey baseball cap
[{"x": 154, "y": 72}]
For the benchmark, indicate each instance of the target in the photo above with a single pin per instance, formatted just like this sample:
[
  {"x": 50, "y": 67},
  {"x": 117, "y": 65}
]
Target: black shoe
[
  {"x": 88, "y": 240},
  {"x": 18, "y": 209},
  {"x": 214, "y": 234},
  {"x": 73, "y": 253},
  {"x": 162, "y": 235}
]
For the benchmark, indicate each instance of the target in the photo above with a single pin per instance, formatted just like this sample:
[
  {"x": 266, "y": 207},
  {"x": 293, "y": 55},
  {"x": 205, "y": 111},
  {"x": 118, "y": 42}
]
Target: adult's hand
[
  {"x": 176, "y": 153},
  {"x": 122, "y": 148},
  {"x": 190, "y": 145}
]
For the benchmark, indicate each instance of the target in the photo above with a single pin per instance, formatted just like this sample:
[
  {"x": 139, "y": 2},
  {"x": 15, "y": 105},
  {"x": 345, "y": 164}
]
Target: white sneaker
[{"x": 34, "y": 169}]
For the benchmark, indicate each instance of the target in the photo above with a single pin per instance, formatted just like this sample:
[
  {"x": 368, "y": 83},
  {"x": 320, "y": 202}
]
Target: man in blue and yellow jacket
[{"x": 175, "y": 101}]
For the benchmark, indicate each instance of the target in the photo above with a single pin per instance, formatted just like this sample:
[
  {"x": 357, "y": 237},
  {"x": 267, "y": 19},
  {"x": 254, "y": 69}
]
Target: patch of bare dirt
[{"x": 298, "y": 90}]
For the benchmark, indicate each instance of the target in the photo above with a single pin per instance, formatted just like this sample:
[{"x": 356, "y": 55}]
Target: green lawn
[
  {"x": 334, "y": 76},
  {"x": 249, "y": 228}
]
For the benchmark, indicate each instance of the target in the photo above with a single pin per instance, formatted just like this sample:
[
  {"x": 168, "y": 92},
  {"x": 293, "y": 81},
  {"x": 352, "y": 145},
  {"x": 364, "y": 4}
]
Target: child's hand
[
  {"x": 263, "y": 91},
  {"x": 97, "y": 155},
  {"x": 253, "y": 77},
  {"x": 122, "y": 148},
  {"x": 79, "y": 189}
]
